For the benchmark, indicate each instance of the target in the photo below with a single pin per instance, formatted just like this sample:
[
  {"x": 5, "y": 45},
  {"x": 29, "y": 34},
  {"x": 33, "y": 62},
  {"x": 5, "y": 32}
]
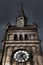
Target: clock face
[{"x": 21, "y": 56}]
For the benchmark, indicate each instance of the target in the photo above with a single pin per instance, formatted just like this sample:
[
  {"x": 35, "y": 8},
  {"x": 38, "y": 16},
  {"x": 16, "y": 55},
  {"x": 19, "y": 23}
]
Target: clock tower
[{"x": 21, "y": 44}]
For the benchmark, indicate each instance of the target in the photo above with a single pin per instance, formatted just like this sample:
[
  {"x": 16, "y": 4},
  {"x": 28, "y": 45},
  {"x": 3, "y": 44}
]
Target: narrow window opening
[
  {"x": 15, "y": 37},
  {"x": 26, "y": 37},
  {"x": 21, "y": 37}
]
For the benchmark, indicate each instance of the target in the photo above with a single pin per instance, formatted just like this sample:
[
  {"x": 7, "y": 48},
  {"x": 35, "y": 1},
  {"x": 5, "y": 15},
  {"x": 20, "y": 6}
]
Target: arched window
[
  {"x": 15, "y": 37},
  {"x": 26, "y": 37},
  {"x": 20, "y": 37}
]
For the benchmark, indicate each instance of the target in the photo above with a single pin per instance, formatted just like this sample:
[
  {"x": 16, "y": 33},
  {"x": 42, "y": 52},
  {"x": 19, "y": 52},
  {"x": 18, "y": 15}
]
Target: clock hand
[{"x": 22, "y": 56}]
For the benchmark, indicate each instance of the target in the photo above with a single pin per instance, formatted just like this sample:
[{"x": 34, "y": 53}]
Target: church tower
[{"x": 21, "y": 44}]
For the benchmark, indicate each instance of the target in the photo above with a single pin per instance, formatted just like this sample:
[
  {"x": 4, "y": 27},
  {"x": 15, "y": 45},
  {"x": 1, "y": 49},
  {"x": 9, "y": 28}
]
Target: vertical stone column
[
  {"x": 18, "y": 36},
  {"x": 34, "y": 56},
  {"x": 8, "y": 57},
  {"x": 23, "y": 36},
  {"x": 4, "y": 58},
  {"x": 39, "y": 55},
  {"x": 32, "y": 37}
]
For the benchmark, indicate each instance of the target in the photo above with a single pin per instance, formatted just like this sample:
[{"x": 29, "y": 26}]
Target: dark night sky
[{"x": 9, "y": 11}]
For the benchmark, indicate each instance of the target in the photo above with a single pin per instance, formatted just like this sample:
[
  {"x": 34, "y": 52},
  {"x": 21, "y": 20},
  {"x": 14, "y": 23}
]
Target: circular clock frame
[{"x": 21, "y": 56}]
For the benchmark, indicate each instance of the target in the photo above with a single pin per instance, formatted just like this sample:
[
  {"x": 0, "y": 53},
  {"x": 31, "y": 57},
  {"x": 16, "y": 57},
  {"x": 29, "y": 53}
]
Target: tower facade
[{"x": 21, "y": 45}]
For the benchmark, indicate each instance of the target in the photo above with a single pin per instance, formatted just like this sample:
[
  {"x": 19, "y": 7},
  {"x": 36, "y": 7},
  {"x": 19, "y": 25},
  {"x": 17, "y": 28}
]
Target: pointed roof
[{"x": 21, "y": 12}]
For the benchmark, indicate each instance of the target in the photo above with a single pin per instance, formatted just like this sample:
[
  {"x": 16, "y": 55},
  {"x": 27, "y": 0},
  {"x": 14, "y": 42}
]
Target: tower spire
[
  {"x": 21, "y": 20},
  {"x": 21, "y": 12}
]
